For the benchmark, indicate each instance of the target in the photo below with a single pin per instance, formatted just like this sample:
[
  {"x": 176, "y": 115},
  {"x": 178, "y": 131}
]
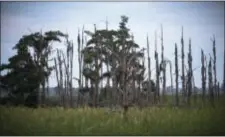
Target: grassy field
[{"x": 87, "y": 121}]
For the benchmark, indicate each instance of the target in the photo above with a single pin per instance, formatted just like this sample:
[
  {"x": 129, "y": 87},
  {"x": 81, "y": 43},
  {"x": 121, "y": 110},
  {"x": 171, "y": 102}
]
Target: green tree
[
  {"x": 28, "y": 71},
  {"x": 116, "y": 49}
]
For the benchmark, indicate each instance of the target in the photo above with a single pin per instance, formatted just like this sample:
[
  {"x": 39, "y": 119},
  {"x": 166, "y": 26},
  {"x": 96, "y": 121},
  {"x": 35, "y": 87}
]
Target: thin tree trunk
[
  {"x": 189, "y": 75},
  {"x": 218, "y": 89},
  {"x": 214, "y": 66},
  {"x": 61, "y": 79},
  {"x": 163, "y": 67},
  {"x": 86, "y": 66},
  {"x": 149, "y": 71},
  {"x": 71, "y": 75},
  {"x": 206, "y": 65},
  {"x": 176, "y": 72},
  {"x": 210, "y": 83},
  {"x": 96, "y": 93},
  {"x": 107, "y": 64},
  {"x": 203, "y": 76},
  {"x": 47, "y": 79},
  {"x": 79, "y": 61},
  {"x": 171, "y": 77},
  {"x": 182, "y": 63},
  {"x": 157, "y": 94},
  {"x": 57, "y": 78},
  {"x": 223, "y": 85},
  {"x": 82, "y": 61}
]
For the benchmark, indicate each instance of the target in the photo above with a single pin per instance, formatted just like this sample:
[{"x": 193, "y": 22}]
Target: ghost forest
[
  {"x": 129, "y": 81},
  {"x": 27, "y": 78}
]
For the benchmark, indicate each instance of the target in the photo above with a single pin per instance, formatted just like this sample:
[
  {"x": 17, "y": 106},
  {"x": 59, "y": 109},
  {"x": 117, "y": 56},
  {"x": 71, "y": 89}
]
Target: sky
[{"x": 200, "y": 20}]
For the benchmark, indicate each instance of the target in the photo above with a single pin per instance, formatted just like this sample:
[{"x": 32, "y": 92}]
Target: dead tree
[
  {"x": 203, "y": 76},
  {"x": 80, "y": 65},
  {"x": 82, "y": 56},
  {"x": 210, "y": 84},
  {"x": 69, "y": 69},
  {"x": 157, "y": 94},
  {"x": 171, "y": 75},
  {"x": 85, "y": 66},
  {"x": 163, "y": 67},
  {"x": 66, "y": 79},
  {"x": 194, "y": 88},
  {"x": 206, "y": 74},
  {"x": 214, "y": 66},
  {"x": 66, "y": 61},
  {"x": 182, "y": 67},
  {"x": 107, "y": 60},
  {"x": 189, "y": 82},
  {"x": 223, "y": 86},
  {"x": 149, "y": 70},
  {"x": 176, "y": 72},
  {"x": 59, "y": 75}
]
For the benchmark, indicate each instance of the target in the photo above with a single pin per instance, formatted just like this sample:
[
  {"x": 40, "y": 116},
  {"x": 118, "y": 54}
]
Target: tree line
[{"x": 126, "y": 84}]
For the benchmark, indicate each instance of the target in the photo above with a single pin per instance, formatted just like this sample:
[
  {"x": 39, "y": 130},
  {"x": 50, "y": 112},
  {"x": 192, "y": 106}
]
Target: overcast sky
[{"x": 200, "y": 21}]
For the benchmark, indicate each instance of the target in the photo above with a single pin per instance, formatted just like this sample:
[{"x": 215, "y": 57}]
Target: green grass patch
[{"x": 88, "y": 121}]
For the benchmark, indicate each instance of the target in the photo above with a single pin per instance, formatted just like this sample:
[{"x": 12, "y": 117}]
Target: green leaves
[
  {"x": 115, "y": 48},
  {"x": 26, "y": 73}
]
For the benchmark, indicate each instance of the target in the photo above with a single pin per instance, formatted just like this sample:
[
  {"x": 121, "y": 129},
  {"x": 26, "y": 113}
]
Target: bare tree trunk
[
  {"x": 164, "y": 68},
  {"x": 224, "y": 70},
  {"x": 47, "y": 89},
  {"x": 176, "y": 72},
  {"x": 57, "y": 78},
  {"x": 61, "y": 92},
  {"x": 203, "y": 76},
  {"x": 214, "y": 66},
  {"x": 205, "y": 71},
  {"x": 210, "y": 83},
  {"x": 107, "y": 64},
  {"x": 149, "y": 71},
  {"x": 171, "y": 77},
  {"x": 86, "y": 66},
  {"x": 47, "y": 79},
  {"x": 114, "y": 84},
  {"x": 123, "y": 86},
  {"x": 157, "y": 94},
  {"x": 182, "y": 63},
  {"x": 79, "y": 61},
  {"x": 67, "y": 77},
  {"x": 71, "y": 75},
  {"x": 189, "y": 75},
  {"x": 69, "y": 71},
  {"x": 96, "y": 91},
  {"x": 82, "y": 56}
]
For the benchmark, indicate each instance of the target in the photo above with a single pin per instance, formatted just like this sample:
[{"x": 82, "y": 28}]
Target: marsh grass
[{"x": 88, "y": 121}]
